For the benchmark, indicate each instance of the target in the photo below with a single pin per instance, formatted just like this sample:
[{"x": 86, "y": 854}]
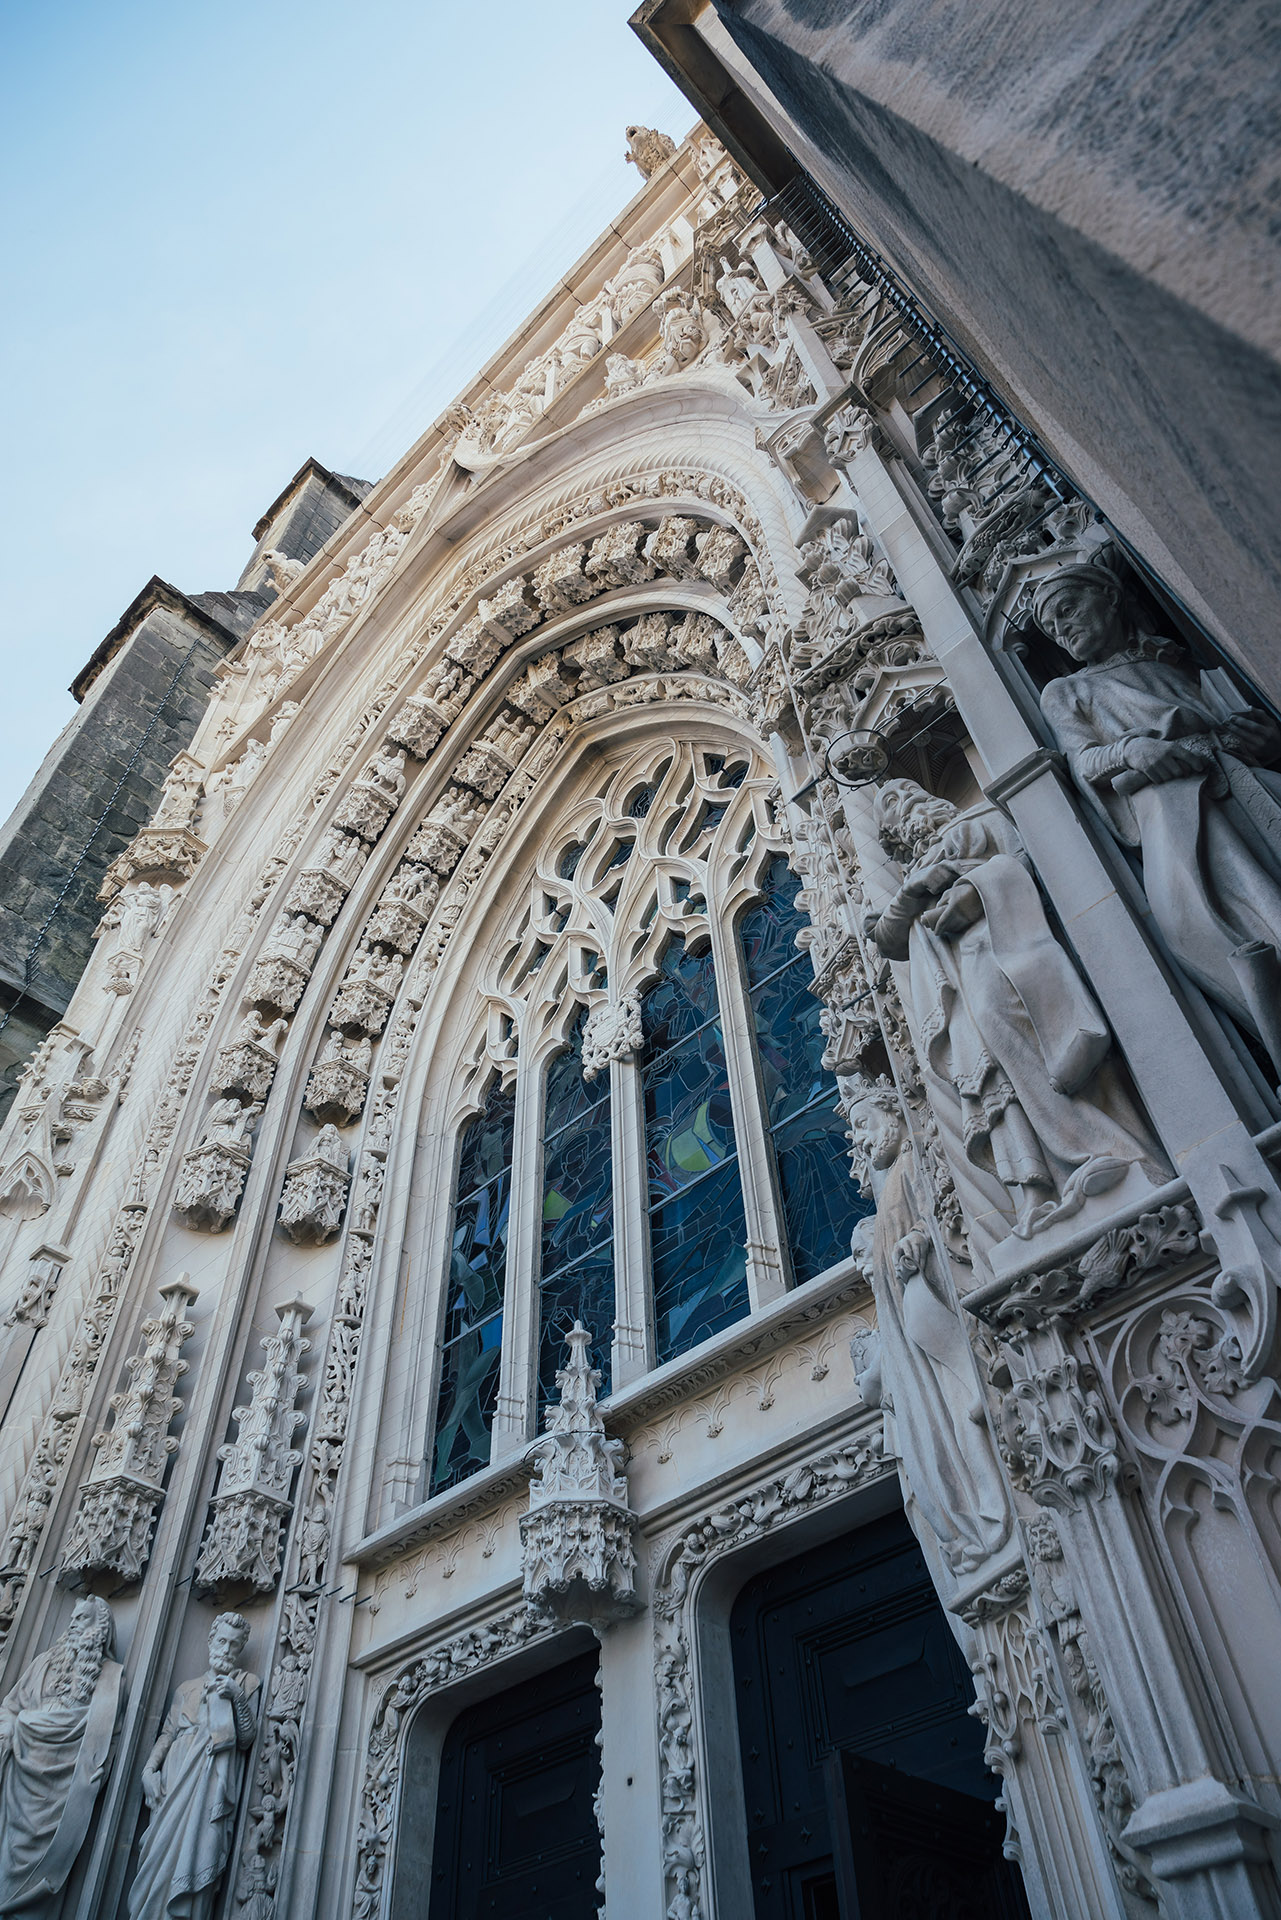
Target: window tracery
[{"x": 669, "y": 1131}]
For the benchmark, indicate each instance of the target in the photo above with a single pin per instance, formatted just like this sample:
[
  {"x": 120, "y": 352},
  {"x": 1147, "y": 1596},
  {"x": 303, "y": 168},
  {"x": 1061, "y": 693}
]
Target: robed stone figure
[
  {"x": 1183, "y": 778},
  {"x": 922, "y": 1371},
  {"x": 56, "y": 1728},
  {"x": 1014, "y": 1048},
  {"x": 192, "y": 1784}
]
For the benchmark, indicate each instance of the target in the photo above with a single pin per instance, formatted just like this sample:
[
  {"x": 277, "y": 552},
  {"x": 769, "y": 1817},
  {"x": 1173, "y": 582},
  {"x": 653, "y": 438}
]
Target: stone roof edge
[{"x": 156, "y": 593}]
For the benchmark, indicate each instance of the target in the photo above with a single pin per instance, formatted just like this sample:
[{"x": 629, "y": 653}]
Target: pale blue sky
[{"x": 237, "y": 234}]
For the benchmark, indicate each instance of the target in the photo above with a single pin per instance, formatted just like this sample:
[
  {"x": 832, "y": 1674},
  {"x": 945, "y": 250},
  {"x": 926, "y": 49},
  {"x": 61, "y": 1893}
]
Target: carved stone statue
[
  {"x": 56, "y": 1728},
  {"x": 1177, "y": 771},
  {"x": 1014, "y": 1049},
  {"x": 192, "y": 1784},
  {"x": 647, "y": 149},
  {"x": 923, "y": 1371}
]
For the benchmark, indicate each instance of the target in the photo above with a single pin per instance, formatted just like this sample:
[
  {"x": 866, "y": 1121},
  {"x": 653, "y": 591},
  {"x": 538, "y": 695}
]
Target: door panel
[
  {"x": 845, "y": 1649},
  {"x": 516, "y": 1834}
]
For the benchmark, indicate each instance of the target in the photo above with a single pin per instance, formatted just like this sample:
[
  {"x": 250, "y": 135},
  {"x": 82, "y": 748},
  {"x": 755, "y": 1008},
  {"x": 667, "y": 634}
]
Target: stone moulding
[
  {"x": 744, "y": 1518},
  {"x": 111, "y": 1531}
]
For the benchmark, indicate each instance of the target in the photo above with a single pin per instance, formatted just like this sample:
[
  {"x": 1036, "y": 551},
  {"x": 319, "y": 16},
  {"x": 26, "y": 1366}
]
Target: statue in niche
[
  {"x": 228, "y": 1124},
  {"x": 1178, "y": 771},
  {"x": 56, "y": 1728},
  {"x": 192, "y": 1781},
  {"x": 920, "y": 1369},
  {"x": 1014, "y": 1049}
]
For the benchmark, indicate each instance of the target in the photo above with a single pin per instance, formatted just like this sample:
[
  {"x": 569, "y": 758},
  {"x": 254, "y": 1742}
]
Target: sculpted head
[
  {"x": 877, "y": 1128},
  {"x": 228, "y": 1638},
  {"x": 1082, "y": 608},
  {"x": 907, "y": 818}
]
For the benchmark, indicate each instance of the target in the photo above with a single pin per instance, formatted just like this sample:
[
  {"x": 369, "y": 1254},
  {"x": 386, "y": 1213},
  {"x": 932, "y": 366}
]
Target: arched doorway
[
  {"x": 845, "y": 1652},
  {"x": 516, "y": 1831}
]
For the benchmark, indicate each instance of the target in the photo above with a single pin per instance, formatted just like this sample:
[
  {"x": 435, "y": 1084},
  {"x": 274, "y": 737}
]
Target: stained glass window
[
  {"x": 821, "y": 1204},
  {"x": 577, "y": 1267},
  {"x": 474, "y": 1312},
  {"x": 697, "y": 1229}
]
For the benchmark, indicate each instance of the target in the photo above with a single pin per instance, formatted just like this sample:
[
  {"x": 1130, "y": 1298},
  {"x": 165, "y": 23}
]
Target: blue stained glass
[
  {"x": 468, "y": 1391},
  {"x": 578, "y": 1198},
  {"x": 699, "y": 1262},
  {"x": 689, "y": 1126},
  {"x": 697, "y": 1229},
  {"x": 473, "y": 1307},
  {"x": 821, "y": 1204},
  {"x": 584, "y": 1292},
  {"x": 790, "y": 1040},
  {"x": 577, "y": 1212},
  {"x": 681, "y": 999},
  {"x": 768, "y": 931}
]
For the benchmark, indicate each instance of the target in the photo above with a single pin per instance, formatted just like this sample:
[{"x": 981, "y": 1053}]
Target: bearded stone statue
[
  {"x": 1014, "y": 1049},
  {"x": 1180, "y": 778},
  {"x": 56, "y": 1729}
]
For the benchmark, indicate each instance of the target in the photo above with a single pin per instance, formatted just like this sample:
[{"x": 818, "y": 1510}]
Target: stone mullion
[
  {"x": 633, "y": 1293},
  {"x": 767, "y": 1270},
  {"x": 515, "y": 1411}
]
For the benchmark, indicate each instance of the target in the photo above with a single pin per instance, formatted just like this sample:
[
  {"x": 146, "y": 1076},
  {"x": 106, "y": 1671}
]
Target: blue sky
[{"x": 235, "y": 235}]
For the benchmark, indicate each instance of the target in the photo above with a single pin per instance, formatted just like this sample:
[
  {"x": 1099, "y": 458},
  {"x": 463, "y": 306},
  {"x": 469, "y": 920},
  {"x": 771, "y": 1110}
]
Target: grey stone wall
[
  {"x": 97, "y": 786},
  {"x": 1086, "y": 197}
]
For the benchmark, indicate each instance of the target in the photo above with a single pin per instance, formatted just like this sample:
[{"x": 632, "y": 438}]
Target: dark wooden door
[
  {"x": 516, "y": 1834},
  {"x": 845, "y": 1649},
  {"x": 906, "y": 1849}
]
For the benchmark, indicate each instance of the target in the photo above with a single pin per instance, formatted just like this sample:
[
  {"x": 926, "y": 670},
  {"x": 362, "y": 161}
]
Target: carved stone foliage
[
  {"x": 1164, "y": 1238},
  {"x": 576, "y": 1539},
  {"x": 243, "y": 1540},
  {"x": 112, "y": 1527},
  {"x": 613, "y": 1032},
  {"x": 315, "y": 1190},
  {"x": 740, "y": 1520},
  {"x": 1057, "y": 1438},
  {"x": 213, "y": 1174}
]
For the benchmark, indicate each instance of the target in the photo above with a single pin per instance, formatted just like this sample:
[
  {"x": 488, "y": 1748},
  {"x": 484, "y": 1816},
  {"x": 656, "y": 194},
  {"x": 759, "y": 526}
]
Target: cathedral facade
[{"x": 653, "y": 1281}]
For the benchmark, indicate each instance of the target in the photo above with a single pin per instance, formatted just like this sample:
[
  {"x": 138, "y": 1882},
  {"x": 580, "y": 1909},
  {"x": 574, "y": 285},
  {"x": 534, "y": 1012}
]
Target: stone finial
[
  {"x": 112, "y": 1527},
  {"x": 576, "y": 1539}
]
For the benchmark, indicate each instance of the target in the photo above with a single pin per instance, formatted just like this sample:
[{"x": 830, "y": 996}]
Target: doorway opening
[
  {"x": 516, "y": 1833},
  {"x": 863, "y": 1770}
]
